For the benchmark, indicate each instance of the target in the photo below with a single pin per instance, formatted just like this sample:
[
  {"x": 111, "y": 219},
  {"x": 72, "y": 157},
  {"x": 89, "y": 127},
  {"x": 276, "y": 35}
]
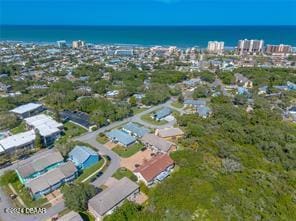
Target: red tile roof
[{"x": 154, "y": 167}]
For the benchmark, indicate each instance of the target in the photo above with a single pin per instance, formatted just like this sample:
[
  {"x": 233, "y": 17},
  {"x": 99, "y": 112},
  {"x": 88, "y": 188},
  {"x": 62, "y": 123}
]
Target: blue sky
[{"x": 148, "y": 12}]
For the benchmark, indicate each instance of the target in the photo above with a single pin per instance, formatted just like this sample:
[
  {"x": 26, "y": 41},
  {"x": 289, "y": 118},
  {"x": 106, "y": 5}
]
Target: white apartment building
[{"x": 216, "y": 47}]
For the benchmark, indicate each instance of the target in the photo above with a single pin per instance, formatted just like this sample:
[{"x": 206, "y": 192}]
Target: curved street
[{"x": 89, "y": 138}]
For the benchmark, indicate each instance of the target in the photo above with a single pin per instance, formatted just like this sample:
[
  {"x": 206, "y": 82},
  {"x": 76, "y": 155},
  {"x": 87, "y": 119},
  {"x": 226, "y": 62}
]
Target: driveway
[{"x": 89, "y": 138}]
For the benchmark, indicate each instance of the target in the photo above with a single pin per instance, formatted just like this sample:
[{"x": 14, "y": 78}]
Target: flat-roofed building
[
  {"x": 249, "y": 46},
  {"x": 52, "y": 180},
  {"x": 155, "y": 170},
  {"x": 31, "y": 169},
  {"x": 279, "y": 49},
  {"x": 77, "y": 117},
  {"x": 216, "y": 47},
  {"x": 48, "y": 128},
  {"x": 18, "y": 141},
  {"x": 108, "y": 200},
  {"x": 27, "y": 110},
  {"x": 158, "y": 144}
]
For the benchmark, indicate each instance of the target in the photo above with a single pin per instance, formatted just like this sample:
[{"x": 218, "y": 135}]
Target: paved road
[
  {"x": 89, "y": 138},
  {"x": 6, "y": 203}
]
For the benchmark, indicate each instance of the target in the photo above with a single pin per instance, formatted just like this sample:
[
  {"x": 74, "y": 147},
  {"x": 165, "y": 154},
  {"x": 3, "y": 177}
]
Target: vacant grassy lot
[
  {"x": 71, "y": 130},
  {"x": 129, "y": 151},
  {"x": 102, "y": 138},
  {"x": 177, "y": 104}
]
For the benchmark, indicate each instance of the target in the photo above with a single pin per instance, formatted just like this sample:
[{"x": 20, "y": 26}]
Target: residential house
[
  {"x": 243, "y": 81},
  {"x": 135, "y": 130},
  {"x": 169, "y": 133},
  {"x": 121, "y": 137},
  {"x": 71, "y": 216},
  {"x": 31, "y": 169},
  {"x": 83, "y": 157},
  {"x": 262, "y": 90},
  {"x": 18, "y": 141},
  {"x": 194, "y": 103},
  {"x": 52, "y": 180},
  {"x": 157, "y": 144},
  {"x": 77, "y": 117},
  {"x": 108, "y": 200},
  {"x": 203, "y": 111},
  {"x": 292, "y": 113},
  {"x": 291, "y": 86},
  {"x": 164, "y": 112},
  {"x": 242, "y": 91},
  {"x": 27, "y": 110},
  {"x": 155, "y": 170},
  {"x": 47, "y": 127}
]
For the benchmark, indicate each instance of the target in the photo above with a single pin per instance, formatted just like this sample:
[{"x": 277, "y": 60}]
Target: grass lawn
[
  {"x": 86, "y": 216},
  {"x": 19, "y": 129},
  {"x": 137, "y": 110},
  {"x": 177, "y": 104},
  {"x": 124, "y": 172},
  {"x": 129, "y": 151},
  {"x": 149, "y": 119},
  {"x": 102, "y": 138},
  {"x": 90, "y": 170},
  {"x": 71, "y": 130}
]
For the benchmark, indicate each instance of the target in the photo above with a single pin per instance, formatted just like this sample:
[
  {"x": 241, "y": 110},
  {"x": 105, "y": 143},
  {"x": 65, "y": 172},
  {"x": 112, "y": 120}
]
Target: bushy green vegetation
[
  {"x": 263, "y": 76},
  {"x": 201, "y": 91},
  {"x": 77, "y": 195},
  {"x": 157, "y": 93},
  {"x": 232, "y": 166},
  {"x": 10, "y": 178},
  {"x": 126, "y": 212},
  {"x": 168, "y": 76}
]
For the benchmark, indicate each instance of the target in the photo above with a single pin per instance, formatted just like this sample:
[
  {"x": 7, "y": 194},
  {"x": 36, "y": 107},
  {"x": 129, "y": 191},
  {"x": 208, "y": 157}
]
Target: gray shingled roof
[
  {"x": 71, "y": 216},
  {"x": 52, "y": 177},
  {"x": 29, "y": 167},
  {"x": 109, "y": 198},
  {"x": 157, "y": 142}
]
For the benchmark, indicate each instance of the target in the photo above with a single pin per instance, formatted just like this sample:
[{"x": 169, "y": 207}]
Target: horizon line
[{"x": 201, "y": 25}]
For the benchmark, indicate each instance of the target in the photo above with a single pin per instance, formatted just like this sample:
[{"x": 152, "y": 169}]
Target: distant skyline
[{"x": 147, "y": 12}]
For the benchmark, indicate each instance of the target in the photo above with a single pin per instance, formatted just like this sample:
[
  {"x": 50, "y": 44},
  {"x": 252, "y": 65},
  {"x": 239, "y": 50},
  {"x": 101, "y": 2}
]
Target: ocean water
[{"x": 181, "y": 36}]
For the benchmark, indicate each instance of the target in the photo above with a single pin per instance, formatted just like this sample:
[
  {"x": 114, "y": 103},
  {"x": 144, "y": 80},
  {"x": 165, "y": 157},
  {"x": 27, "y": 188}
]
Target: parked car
[
  {"x": 6, "y": 164},
  {"x": 13, "y": 196},
  {"x": 99, "y": 174}
]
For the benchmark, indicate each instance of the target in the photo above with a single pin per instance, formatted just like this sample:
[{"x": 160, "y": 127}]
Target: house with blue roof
[
  {"x": 194, "y": 103},
  {"x": 83, "y": 157},
  {"x": 118, "y": 136},
  {"x": 203, "y": 111},
  {"x": 135, "y": 130},
  {"x": 164, "y": 112},
  {"x": 291, "y": 86},
  {"x": 242, "y": 91}
]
